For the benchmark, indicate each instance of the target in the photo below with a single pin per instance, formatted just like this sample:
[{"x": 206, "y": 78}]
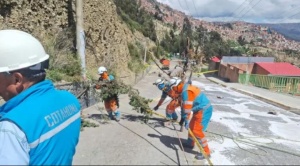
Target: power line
[
  {"x": 238, "y": 8},
  {"x": 290, "y": 16},
  {"x": 186, "y": 5},
  {"x": 289, "y": 10},
  {"x": 195, "y": 7},
  {"x": 287, "y": 17},
  {"x": 286, "y": 11},
  {"x": 294, "y": 15},
  {"x": 243, "y": 8},
  {"x": 180, "y": 5},
  {"x": 251, "y": 7},
  {"x": 238, "y": 18}
]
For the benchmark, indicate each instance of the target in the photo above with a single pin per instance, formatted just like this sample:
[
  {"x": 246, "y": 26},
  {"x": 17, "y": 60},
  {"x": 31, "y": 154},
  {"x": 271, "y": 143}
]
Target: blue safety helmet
[{"x": 160, "y": 83}]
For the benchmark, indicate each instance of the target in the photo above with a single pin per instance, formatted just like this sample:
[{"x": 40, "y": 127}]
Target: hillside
[
  {"x": 289, "y": 30},
  {"x": 53, "y": 22},
  {"x": 260, "y": 35},
  {"x": 239, "y": 38}
]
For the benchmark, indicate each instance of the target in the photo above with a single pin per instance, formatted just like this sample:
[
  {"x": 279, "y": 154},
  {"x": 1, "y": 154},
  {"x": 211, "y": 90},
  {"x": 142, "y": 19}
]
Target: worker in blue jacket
[
  {"x": 39, "y": 125},
  {"x": 173, "y": 104}
]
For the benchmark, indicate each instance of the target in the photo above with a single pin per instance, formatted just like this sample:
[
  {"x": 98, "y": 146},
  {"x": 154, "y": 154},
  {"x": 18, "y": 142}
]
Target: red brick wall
[
  {"x": 259, "y": 70},
  {"x": 222, "y": 70},
  {"x": 232, "y": 71},
  {"x": 212, "y": 65},
  {"x": 244, "y": 66}
]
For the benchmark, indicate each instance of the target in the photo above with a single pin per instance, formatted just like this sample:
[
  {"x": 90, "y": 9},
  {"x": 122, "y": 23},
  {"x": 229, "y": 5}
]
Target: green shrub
[
  {"x": 204, "y": 69},
  {"x": 136, "y": 18},
  {"x": 54, "y": 75},
  {"x": 136, "y": 53},
  {"x": 64, "y": 63}
]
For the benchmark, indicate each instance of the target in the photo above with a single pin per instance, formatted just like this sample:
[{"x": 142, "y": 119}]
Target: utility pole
[
  {"x": 145, "y": 47},
  {"x": 80, "y": 37},
  {"x": 202, "y": 49},
  {"x": 187, "y": 44}
]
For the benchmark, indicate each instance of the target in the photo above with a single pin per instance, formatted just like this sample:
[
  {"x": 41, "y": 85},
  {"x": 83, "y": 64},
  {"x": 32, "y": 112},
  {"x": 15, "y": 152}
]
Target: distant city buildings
[{"x": 259, "y": 35}]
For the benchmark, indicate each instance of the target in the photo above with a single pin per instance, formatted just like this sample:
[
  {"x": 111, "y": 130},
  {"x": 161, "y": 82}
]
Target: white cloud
[{"x": 257, "y": 11}]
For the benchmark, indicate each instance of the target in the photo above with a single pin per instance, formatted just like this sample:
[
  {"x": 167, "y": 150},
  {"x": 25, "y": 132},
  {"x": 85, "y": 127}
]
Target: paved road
[
  {"x": 237, "y": 116},
  {"x": 248, "y": 119},
  {"x": 286, "y": 101}
]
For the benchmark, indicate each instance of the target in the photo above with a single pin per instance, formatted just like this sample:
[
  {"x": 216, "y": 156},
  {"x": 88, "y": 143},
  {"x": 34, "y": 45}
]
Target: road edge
[{"x": 269, "y": 101}]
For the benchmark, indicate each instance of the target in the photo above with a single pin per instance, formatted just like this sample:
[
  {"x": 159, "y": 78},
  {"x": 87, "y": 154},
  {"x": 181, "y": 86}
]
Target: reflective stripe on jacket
[
  {"x": 189, "y": 94},
  {"x": 51, "y": 121},
  {"x": 193, "y": 99}
]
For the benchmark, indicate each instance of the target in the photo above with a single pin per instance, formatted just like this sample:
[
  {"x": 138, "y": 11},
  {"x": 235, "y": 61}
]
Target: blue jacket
[
  {"x": 165, "y": 91},
  {"x": 51, "y": 121},
  {"x": 197, "y": 101},
  {"x": 111, "y": 77}
]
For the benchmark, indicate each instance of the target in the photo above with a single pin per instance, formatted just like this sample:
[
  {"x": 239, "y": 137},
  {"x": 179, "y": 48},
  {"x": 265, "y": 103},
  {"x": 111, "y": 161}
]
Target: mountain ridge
[{"x": 289, "y": 30}]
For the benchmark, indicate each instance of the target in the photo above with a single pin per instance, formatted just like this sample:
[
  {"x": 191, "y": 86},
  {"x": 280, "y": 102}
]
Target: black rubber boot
[
  {"x": 181, "y": 128},
  {"x": 185, "y": 145},
  {"x": 200, "y": 156}
]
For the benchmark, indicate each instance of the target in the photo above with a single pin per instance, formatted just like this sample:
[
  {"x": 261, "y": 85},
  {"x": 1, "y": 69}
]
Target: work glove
[
  {"x": 155, "y": 108},
  {"x": 187, "y": 124}
]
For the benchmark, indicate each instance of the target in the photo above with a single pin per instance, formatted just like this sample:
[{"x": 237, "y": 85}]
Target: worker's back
[
  {"x": 166, "y": 62},
  {"x": 50, "y": 119}
]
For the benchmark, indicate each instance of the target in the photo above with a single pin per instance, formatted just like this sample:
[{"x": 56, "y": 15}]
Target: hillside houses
[{"x": 260, "y": 35}]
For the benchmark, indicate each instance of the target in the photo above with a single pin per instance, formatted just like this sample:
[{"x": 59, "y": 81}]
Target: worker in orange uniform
[
  {"x": 166, "y": 91},
  {"x": 112, "y": 103},
  {"x": 193, "y": 100},
  {"x": 165, "y": 63}
]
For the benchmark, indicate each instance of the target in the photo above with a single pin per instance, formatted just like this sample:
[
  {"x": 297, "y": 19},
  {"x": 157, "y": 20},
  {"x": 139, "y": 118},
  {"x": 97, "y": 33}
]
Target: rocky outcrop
[
  {"x": 106, "y": 35},
  {"x": 107, "y": 38},
  {"x": 36, "y": 17}
]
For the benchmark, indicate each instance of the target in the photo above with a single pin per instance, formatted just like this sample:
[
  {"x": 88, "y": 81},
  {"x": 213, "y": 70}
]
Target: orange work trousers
[
  {"x": 110, "y": 105},
  {"x": 170, "y": 110},
  {"x": 197, "y": 128},
  {"x": 172, "y": 106}
]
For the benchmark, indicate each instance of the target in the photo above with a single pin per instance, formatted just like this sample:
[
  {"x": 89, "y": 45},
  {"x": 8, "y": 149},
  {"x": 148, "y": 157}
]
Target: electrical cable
[
  {"x": 196, "y": 11},
  {"x": 251, "y": 7},
  {"x": 233, "y": 13},
  {"x": 187, "y": 5},
  {"x": 243, "y": 9}
]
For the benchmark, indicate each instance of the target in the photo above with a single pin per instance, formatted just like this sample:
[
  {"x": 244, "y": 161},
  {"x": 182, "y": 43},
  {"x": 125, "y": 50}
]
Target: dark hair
[{"x": 35, "y": 73}]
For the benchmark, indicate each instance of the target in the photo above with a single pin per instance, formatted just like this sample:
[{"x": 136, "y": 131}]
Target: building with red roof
[
  {"x": 216, "y": 59},
  {"x": 214, "y": 63},
  {"x": 276, "y": 68}
]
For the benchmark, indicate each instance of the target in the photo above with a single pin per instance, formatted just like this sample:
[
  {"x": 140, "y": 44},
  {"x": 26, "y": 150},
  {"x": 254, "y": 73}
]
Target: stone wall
[{"x": 106, "y": 35}]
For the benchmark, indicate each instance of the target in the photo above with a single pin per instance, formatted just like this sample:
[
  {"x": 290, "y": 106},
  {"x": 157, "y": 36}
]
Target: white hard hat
[
  {"x": 159, "y": 81},
  {"x": 174, "y": 81},
  {"x": 101, "y": 70},
  {"x": 19, "y": 50}
]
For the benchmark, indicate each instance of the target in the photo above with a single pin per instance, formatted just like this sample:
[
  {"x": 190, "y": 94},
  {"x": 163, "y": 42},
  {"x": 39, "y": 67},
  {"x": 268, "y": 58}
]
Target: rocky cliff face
[{"x": 106, "y": 36}]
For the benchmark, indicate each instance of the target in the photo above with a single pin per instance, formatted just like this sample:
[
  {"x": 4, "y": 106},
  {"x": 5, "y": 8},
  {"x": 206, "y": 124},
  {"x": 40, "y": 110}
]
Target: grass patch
[
  {"x": 136, "y": 64},
  {"x": 64, "y": 62}
]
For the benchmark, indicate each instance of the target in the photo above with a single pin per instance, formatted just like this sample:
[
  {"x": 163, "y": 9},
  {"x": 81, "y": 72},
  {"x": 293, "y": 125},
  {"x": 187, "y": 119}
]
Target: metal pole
[
  {"x": 145, "y": 47},
  {"x": 80, "y": 37}
]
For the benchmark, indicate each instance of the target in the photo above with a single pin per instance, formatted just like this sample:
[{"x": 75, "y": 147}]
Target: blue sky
[{"x": 255, "y": 11}]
